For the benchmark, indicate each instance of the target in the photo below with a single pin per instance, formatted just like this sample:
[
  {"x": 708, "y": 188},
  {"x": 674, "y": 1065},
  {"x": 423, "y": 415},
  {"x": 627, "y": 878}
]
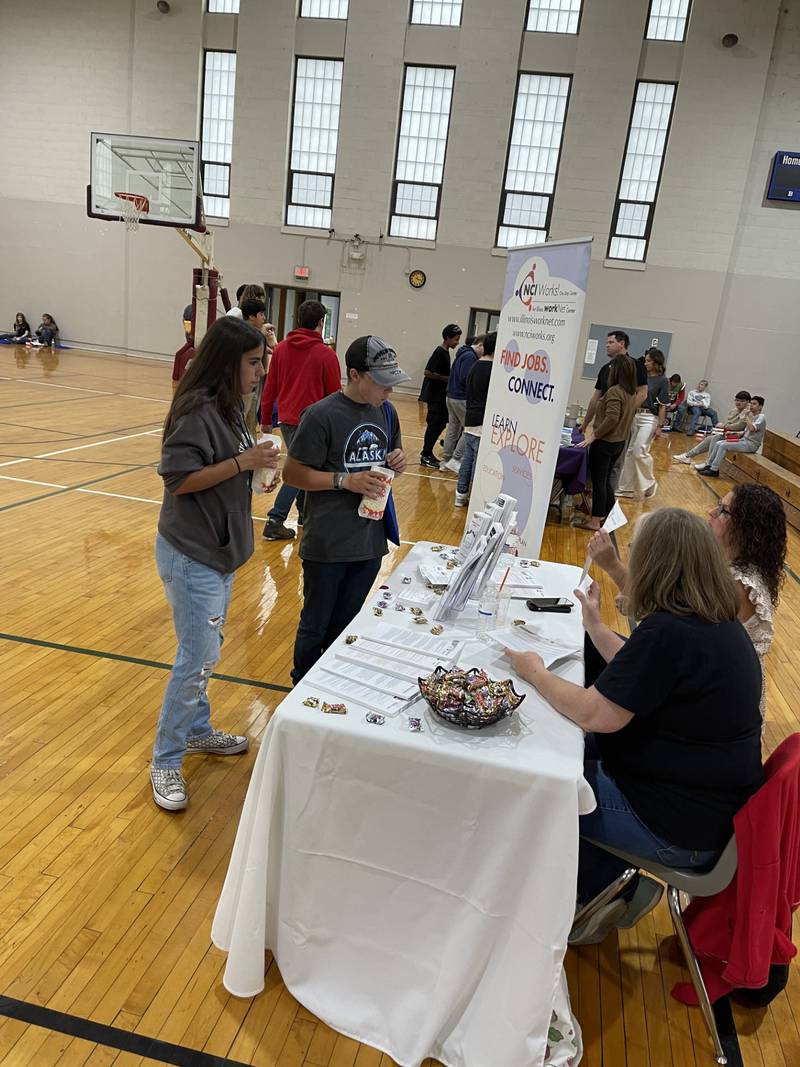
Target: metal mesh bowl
[{"x": 469, "y": 698}]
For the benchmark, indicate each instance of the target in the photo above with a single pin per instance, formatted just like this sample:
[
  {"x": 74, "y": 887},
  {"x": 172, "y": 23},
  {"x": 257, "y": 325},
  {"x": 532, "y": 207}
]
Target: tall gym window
[
  {"x": 641, "y": 171},
  {"x": 436, "y": 12},
  {"x": 534, "y": 150},
  {"x": 223, "y": 7},
  {"x": 421, "y": 148},
  {"x": 554, "y": 16},
  {"x": 216, "y": 122},
  {"x": 667, "y": 20},
  {"x": 323, "y": 9},
  {"x": 315, "y": 132}
]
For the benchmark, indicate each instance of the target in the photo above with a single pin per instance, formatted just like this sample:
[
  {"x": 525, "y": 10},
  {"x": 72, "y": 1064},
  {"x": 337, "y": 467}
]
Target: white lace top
[{"x": 759, "y": 625}]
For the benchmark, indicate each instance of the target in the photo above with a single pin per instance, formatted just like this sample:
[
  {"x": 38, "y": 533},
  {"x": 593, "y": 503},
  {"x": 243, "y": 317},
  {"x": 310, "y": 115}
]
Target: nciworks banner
[{"x": 537, "y": 343}]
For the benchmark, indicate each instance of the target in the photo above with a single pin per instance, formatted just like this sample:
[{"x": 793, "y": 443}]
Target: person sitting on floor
[
  {"x": 46, "y": 332},
  {"x": 20, "y": 332},
  {"x": 674, "y": 714}
]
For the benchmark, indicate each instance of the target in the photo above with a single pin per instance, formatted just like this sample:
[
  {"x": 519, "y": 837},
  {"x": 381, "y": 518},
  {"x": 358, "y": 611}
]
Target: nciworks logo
[
  {"x": 365, "y": 445},
  {"x": 527, "y": 289}
]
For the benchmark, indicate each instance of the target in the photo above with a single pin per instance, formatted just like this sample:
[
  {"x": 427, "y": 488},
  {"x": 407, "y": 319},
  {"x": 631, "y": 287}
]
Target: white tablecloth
[{"x": 416, "y": 890}]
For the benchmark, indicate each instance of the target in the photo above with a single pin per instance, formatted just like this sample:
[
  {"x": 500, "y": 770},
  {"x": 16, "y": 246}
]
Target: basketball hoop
[{"x": 134, "y": 205}]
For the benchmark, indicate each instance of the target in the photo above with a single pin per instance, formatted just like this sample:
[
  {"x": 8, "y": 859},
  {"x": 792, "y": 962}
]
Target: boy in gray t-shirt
[
  {"x": 338, "y": 441},
  {"x": 752, "y": 439}
]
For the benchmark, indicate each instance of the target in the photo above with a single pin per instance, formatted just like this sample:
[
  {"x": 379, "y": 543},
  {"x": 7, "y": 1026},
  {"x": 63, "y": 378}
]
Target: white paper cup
[
  {"x": 265, "y": 479},
  {"x": 373, "y": 507}
]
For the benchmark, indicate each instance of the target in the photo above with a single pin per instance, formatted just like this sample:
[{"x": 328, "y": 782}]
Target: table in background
[
  {"x": 572, "y": 473},
  {"x": 416, "y": 889}
]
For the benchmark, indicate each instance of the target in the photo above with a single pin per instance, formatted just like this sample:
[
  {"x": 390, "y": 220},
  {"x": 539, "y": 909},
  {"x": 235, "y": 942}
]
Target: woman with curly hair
[{"x": 750, "y": 527}]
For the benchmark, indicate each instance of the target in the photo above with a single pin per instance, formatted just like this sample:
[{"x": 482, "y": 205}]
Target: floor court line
[
  {"x": 113, "y": 1037},
  {"x": 72, "y": 488},
  {"x": 78, "y": 448},
  {"x": 138, "y": 661},
  {"x": 82, "y": 389},
  {"x": 30, "y": 481}
]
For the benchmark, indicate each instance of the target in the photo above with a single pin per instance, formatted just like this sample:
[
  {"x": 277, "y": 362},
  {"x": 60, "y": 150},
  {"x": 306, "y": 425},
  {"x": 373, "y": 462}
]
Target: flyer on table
[{"x": 537, "y": 344}]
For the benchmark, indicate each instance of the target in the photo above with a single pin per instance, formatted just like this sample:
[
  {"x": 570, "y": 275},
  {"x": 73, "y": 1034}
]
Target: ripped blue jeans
[{"x": 199, "y": 598}]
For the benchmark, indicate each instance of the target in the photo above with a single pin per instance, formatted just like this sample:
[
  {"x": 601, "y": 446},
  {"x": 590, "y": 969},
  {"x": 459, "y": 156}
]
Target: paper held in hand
[{"x": 615, "y": 518}]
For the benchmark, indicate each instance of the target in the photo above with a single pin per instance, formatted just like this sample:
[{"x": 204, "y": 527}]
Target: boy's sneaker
[
  {"x": 276, "y": 531},
  {"x": 682, "y": 457},
  {"x": 217, "y": 744},
  {"x": 169, "y": 788},
  {"x": 462, "y": 499},
  {"x": 451, "y": 465},
  {"x": 429, "y": 461}
]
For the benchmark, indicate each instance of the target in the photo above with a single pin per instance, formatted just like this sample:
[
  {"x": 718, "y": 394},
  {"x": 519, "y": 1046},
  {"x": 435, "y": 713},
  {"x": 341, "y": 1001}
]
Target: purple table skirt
[{"x": 572, "y": 465}]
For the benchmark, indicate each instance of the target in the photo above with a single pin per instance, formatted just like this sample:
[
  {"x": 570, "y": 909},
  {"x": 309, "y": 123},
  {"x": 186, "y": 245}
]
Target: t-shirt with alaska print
[{"x": 337, "y": 434}]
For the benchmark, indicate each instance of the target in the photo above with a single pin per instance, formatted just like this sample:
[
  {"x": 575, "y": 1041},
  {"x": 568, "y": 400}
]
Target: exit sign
[{"x": 302, "y": 273}]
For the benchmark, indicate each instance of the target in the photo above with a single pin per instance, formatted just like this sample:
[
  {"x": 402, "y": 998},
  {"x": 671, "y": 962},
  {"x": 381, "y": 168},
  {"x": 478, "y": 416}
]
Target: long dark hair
[
  {"x": 53, "y": 324},
  {"x": 758, "y": 533},
  {"x": 214, "y": 373},
  {"x": 623, "y": 373},
  {"x": 24, "y": 322}
]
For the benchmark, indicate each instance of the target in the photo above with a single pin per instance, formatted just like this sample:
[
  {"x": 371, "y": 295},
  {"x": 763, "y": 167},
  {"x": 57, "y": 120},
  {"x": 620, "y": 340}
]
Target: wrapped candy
[{"x": 469, "y": 697}]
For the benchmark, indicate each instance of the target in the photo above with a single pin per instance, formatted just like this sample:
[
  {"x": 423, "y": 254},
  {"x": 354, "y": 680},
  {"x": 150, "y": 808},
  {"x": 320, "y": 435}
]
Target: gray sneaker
[
  {"x": 169, "y": 788},
  {"x": 683, "y": 457},
  {"x": 600, "y": 925},
  {"x": 647, "y": 895},
  {"x": 277, "y": 531},
  {"x": 217, "y": 744}
]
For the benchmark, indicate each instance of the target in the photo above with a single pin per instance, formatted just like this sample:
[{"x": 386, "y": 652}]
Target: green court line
[
  {"x": 72, "y": 488},
  {"x": 19, "y": 639}
]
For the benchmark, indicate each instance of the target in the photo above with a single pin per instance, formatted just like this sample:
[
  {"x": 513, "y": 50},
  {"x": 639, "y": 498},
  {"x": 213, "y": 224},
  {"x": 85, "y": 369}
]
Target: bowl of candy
[{"x": 469, "y": 698}]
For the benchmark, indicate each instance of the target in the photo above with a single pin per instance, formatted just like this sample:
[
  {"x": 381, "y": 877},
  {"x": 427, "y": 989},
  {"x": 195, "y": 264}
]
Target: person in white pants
[
  {"x": 637, "y": 480},
  {"x": 752, "y": 439}
]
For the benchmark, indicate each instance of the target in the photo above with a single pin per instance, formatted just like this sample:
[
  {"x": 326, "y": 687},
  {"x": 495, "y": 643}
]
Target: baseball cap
[{"x": 372, "y": 355}]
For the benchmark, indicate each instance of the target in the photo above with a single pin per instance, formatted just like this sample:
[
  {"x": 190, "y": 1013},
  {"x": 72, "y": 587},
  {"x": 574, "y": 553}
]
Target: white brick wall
[{"x": 722, "y": 268}]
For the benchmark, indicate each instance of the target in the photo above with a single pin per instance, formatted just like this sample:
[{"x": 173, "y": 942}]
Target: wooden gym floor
[{"x": 105, "y": 901}]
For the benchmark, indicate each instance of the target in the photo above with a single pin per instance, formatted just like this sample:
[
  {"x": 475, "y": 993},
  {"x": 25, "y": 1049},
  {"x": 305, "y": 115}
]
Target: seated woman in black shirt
[{"x": 675, "y": 714}]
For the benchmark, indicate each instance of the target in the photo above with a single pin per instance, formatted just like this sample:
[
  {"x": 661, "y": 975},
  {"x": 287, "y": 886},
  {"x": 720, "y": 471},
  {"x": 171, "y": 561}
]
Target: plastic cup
[
  {"x": 265, "y": 479},
  {"x": 373, "y": 507}
]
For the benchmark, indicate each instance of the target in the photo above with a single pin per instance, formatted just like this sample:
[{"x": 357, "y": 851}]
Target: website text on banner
[{"x": 537, "y": 343}]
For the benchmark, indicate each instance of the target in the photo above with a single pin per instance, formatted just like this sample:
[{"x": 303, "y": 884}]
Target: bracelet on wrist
[{"x": 236, "y": 461}]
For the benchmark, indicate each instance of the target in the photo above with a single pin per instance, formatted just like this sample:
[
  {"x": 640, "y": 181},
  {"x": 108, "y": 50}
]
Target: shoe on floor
[
  {"x": 276, "y": 531},
  {"x": 462, "y": 499},
  {"x": 217, "y": 744},
  {"x": 682, "y": 457},
  {"x": 451, "y": 465},
  {"x": 708, "y": 472},
  {"x": 647, "y": 895},
  {"x": 169, "y": 788},
  {"x": 429, "y": 461},
  {"x": 600, "y": 925}
]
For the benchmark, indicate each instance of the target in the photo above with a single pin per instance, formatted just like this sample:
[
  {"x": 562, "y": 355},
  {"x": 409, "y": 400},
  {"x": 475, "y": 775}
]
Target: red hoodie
[
  {"x": 303, "y": 370},
  {"x": 737, "y": 934}
]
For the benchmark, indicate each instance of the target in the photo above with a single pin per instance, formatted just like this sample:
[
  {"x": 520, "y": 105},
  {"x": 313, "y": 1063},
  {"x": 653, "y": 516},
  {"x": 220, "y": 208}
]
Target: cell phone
[{"x": 550, "y": 603}]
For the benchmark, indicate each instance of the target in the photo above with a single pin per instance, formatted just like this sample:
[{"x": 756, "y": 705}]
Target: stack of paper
[{"x": 522, "y": 639}]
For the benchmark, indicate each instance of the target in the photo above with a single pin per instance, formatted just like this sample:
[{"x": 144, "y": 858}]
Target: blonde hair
[
  {"x": 252, "y": 292},
  {"x": 677, "y": 566}
]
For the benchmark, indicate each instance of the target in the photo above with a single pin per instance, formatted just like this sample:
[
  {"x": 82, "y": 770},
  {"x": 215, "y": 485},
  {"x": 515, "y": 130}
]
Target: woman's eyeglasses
[{"x": 719, "y": 510}]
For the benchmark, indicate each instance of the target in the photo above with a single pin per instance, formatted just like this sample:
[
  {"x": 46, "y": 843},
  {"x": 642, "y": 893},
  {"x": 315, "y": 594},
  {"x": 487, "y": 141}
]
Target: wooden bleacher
[{"x": 777, "y": 466}]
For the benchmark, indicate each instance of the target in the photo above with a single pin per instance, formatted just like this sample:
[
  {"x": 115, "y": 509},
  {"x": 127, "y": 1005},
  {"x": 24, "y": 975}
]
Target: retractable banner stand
[{"x": 537, "y": 345}]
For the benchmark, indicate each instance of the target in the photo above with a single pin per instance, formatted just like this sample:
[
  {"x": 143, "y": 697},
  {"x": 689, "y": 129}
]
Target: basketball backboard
[{"x": 159, "y": 175}]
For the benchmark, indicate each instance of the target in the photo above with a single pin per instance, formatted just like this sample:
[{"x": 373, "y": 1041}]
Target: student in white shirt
[
  {"x": 698, "y": 403},
  {"x": 752, "y": 439}
]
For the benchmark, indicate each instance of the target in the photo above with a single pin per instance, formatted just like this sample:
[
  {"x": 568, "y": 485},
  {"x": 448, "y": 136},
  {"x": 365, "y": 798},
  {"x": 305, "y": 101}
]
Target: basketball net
[{"x": 133, "y": 206}]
